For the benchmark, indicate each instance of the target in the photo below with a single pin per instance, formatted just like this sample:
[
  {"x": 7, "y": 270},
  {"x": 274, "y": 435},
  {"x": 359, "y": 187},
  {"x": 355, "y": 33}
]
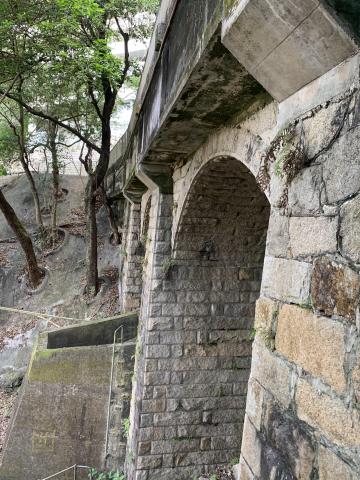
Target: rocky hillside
[{"x": 61, "y": 292}]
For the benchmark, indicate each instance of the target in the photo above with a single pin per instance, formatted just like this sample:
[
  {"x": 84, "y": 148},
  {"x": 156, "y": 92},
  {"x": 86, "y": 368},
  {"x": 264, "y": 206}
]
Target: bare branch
[
  {"x": 39, "y": 113},
  {"x": 4, "y": 95},
  {"x": 126, "y": 38},
  {"x": 94, "y": 101}
]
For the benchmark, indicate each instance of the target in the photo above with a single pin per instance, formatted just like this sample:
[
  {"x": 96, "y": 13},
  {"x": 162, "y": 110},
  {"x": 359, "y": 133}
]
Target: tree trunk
[
  {"x": 25, "y": 164},
  {"x": 96, "y": 179},
  {"x": 35, "y": 194},
  {"x": 34, "y": 272},
  {"x": 55, "y": 179},
  {"x": 92, "y": 275},
  {"x": 112, "y": 221}
]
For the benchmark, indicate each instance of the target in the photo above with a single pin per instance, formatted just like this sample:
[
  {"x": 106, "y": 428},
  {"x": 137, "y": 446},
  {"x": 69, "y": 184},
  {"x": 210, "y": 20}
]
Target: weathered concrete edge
[{"x": 342, "y": 78}]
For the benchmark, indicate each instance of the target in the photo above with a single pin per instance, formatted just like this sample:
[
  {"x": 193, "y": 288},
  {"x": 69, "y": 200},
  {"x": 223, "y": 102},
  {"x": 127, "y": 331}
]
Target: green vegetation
[
  {"x": 3, "y": 170},
  {"x": 58, "y": 68},
  {"x": 109, "y": 475},
  {"x": 126, "y": 427}
]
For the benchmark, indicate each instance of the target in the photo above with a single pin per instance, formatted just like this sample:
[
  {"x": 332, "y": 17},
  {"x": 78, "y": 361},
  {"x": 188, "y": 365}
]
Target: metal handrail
[
  {"x": 73, "y": 467},
  {"x": 110, "y": 388}
]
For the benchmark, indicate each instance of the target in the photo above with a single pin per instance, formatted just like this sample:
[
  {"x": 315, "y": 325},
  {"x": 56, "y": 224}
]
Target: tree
[
  {"x": 35, "y": 274},
  {"x": 65, "y": 44},
  {"x": 16, "y": 146}
]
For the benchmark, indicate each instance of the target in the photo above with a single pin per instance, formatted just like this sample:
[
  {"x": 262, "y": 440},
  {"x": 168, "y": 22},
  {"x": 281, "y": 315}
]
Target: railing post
[
  {"x": 121, "y": 328},
  {"x": 75, "y": 469}
]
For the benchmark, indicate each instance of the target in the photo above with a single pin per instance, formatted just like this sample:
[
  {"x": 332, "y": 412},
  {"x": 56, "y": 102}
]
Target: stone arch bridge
[
  {"x": 237, "y": 186},
  {"x": 240, "y": 176}
]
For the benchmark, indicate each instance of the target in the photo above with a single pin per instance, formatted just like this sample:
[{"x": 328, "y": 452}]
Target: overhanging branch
[{"x": 39, "y": 113}]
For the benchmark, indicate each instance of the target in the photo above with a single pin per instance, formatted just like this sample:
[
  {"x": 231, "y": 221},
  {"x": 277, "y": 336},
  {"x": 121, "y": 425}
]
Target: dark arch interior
[{"x": 219, "y": 254}]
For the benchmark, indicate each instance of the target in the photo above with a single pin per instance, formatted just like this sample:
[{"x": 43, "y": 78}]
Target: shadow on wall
[{"x": 348, "y": 11}]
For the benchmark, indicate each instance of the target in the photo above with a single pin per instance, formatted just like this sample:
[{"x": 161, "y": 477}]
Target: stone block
[
  {"x": 151, "y": 433},
  {"x": 173, "y": 309},
  {"x": 331, "y": 466},
  {"x": 215, "y": 377},
  {"x": 350, "y": 229},
  {"x": 176, "y": 418},
  {"x": 225, "y": 442},
  {"x": 251, "y": 449},
  {"x": 177, "y": 337},
  {"x": 319, "y": 129},
  {"x": 286, "y": 280},
  {"x": 160, "y": 323},
  {"x": 175, "y": 445},
  {"x": 272, "y": 373},
  {"x": 312, "y": 235},
  {"x": 160, "y": 296},
  {"x": 304, "y": 197},
  {"x": 338, "y": 423},
  {"x": 149, "y": 461},
  {"x": 266, "y": 311},
  {"x": 278, "y": 235},
  {"x": 144, "y": 448},
  {"x": 335, "y": 288},
  {"x": 356, "y": 378},
  {"x": 289, "y": 448},
  {"x": 319, "y": 349},
  {"x": 156, "y": 378},
  {"x": 242, "y": 471},
  {"x": 254, "y": 403},
  {"x": 341, "y": 167},
  {"x": 153, "y": 406},
  {"x": 241, "y": 28},
  {"x": 158, "y": 351},
  {"x": 313, "y": 48}
]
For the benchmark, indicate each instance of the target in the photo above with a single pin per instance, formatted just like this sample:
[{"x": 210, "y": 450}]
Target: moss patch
[{"x": 83, "y": 366}]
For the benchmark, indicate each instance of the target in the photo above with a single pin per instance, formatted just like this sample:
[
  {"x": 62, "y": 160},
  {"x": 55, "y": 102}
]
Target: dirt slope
[{"x": 62, "y": 290}]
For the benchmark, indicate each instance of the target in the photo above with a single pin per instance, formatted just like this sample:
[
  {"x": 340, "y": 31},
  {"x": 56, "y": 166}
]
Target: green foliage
[
  {"x": 98, "y": 475},
  {"x": 267, "y": 337},
  {"x": 9, "y": 148},
  {"x": 3, "y": 170},
  {"x": 168, "y": 264},
  {"x": 251, "y": 335},
  {"x": 126, "y": 427},
  {"x": 61, "y": 50}
]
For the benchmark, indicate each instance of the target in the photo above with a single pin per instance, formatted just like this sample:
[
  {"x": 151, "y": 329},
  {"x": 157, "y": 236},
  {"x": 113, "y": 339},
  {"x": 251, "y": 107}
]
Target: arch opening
[{"x": 218, "y": 261}]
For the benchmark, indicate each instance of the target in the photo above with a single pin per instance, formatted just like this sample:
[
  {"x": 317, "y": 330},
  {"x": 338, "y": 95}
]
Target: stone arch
[
  {"x": 247, "y": 145},
  {"x": 218, "y": 255}
]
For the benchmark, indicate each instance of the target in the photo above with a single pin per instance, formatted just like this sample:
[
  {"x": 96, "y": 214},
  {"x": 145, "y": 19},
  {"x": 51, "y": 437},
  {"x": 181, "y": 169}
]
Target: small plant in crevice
[
  {"x": 130, "y": 457},
  {"x": 251, "y": 335},
  {"x": 126, "y": 427},
  {"x": 265, "y": 334},
  {"x": 288, "y": 155},
  {"x": 105, "y": 475},
  {"x": 267, "y": 337},
  {"x": 144, "y": 239},
  {"x": 167, "y": 266}
]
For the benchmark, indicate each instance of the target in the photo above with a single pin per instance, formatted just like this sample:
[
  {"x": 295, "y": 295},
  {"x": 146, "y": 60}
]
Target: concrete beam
[
  {"x": 285, "y": 44},
  {"x": 134, "y": 189}
]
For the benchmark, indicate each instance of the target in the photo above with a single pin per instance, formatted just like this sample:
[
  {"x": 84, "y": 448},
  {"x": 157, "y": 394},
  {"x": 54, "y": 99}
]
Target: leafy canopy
[{"x": 60, "y": 52}]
